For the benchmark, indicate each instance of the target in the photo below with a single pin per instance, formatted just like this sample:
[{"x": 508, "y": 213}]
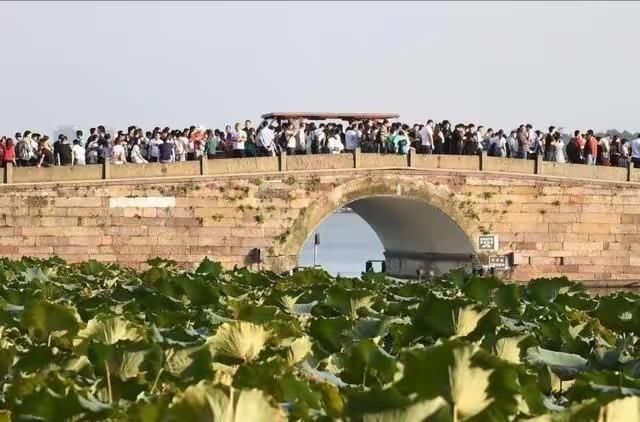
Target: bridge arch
[{"x": 420, "y": 227}]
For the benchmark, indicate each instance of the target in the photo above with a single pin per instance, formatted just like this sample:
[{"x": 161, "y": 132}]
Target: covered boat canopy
[{"x": 331, "y": 116}]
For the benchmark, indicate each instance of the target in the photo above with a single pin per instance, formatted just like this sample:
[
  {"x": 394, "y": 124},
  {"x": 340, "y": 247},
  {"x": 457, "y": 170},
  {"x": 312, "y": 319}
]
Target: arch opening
[{"x": 414, "y": 237}]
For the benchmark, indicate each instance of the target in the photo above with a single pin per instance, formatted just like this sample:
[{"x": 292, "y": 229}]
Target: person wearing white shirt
[
  {"x": 154, "y": 151},
  {"x": 557, "y": 148},
  {"x": 136, "y": 154},
  {"x": 266, "y": 138},
  {"x": 118, "y": 154},
  {"x": 78, "y": 153},
  {"x": 238, "y": 143},
  {"x": 334, "y": 144},
  {"x": 533, "y": 140},
  {"x": 182, "y": 147},
  {"x": 498, "y": 145},
  {"x": 301, "y": 138},
  {"x": 351, "y": 139},
  {"x": 635, "y": 152},
  {"x": 427, "y": 138},
  {"x": 290, "y": 138}
]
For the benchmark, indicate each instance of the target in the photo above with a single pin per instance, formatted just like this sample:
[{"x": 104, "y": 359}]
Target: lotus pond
[{"x": 100, "y": 342}]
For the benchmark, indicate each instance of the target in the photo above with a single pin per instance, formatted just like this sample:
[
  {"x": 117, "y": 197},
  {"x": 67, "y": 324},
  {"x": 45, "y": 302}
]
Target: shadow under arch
[{"x": 420, "y": 224}]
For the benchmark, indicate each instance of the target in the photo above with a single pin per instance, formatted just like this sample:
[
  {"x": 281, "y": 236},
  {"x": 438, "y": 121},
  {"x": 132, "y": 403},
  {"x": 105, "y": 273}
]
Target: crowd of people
[{"x": 166, "y": 145}]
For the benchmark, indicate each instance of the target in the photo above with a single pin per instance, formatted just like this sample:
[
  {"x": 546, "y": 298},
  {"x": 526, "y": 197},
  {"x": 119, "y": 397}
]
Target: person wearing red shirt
[
  {"x": 9, "y": 155},
  {"x": 590, "y": 149}
]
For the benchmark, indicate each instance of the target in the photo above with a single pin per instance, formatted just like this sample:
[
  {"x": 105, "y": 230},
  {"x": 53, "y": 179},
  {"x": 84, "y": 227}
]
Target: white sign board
[
  {"x": 499, "y": 262},
  {"x": 488, "y": 242}
]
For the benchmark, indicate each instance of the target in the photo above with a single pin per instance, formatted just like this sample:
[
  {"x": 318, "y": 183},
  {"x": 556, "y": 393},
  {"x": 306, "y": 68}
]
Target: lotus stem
[
  {"x": 106, "y": 367},
  {"x": 155, "y": 383}
]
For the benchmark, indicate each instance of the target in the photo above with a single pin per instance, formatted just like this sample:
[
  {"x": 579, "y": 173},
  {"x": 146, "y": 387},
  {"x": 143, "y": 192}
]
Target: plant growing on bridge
[
  {"x": 313, "y": 184},
  {"x": 99, "y": 342}
]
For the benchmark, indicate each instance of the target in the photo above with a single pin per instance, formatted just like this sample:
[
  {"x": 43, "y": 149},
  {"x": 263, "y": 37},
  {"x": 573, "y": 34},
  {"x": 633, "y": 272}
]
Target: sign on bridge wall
[{"x": 488, "y": 242}]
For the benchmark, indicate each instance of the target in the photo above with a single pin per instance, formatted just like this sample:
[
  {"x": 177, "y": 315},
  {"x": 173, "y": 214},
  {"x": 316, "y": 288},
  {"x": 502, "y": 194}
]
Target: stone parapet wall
[{"x": 319, "y": 162}]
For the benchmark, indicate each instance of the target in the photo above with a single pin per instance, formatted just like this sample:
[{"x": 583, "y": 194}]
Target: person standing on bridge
[
  {"x": 574, "y": 150},
  {"x": 351, "y": 138},
  {"x": 266, "y": 140},
  {"x": 457, "y": 140},
  {"x": 334, "y": 144},
  {"x": 615, "y": 151},
  {"x": 557, "y": 148},
  {"x": 635, "y": 151},
  {"x": 523, "y": 142},
  {"x": 118, "y": 154},
  {"x": 604, "y": 151},
  {"x": 426, "y": 146},
  {"x": 590, "y": 149}
]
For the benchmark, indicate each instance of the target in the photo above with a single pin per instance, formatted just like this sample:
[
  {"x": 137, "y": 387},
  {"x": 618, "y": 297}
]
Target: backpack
[
  {"x": 22, "y": 151},
  {"x": 403, "y": 147}
]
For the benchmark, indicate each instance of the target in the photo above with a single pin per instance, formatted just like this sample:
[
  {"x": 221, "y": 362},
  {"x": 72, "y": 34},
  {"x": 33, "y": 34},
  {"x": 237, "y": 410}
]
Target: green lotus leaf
[
  {"x": 349, "y": 301},
  {"x": 587, "y": 411},
  {"x": 329, "y": 332},
  {"x": 508, "y": 348},
  {"x": 299, "y": 349},
  {"x": 604, "y": 385},
  {"x": 370, "y": 328},
  {"x": 457, "y": 277},
  {"x": 256, "y": 313},
  {"x": 466, "y": 319},
  {"x": 367, "y": 364},
  {"x": 468, "y": 385},
  {"x": 93, "y": 268},
  {"x": 202, "y": 402},
  {"x": 301, "y": 398},
  {"x": 566, "y": 365},
  {"x": 189, "y": 363},
  {"x": 626, "y": 409},
  {"x": 438, "y": 316},
  {"x": 7, "y": 356},
  {"x": 209, "y": 268},
  {"x": 43, "y": 318},
  {"x": 321, "y": 376},
  {"x": 416, "y": 412},
  {"x": 619, "y": 312},
  {"x": 507, "y": 298},
  {"x": 239, "y": 340},
  {"x": 200, "y": 292},
  {"x": 481, "y": 289},
  {"x": 545, "y": 290},
  {"x": 110, "y": 330}
]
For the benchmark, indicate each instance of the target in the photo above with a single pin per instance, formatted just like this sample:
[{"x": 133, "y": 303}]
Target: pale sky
[{"x": 499, "y": 64}]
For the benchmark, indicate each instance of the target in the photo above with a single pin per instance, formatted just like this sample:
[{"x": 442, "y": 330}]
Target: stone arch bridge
[{"x": 428, "y": 211}]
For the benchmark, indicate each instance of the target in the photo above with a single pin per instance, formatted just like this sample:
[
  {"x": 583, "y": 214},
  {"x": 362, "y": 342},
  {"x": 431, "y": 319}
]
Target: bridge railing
[{"x": 284, "y": 163}]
